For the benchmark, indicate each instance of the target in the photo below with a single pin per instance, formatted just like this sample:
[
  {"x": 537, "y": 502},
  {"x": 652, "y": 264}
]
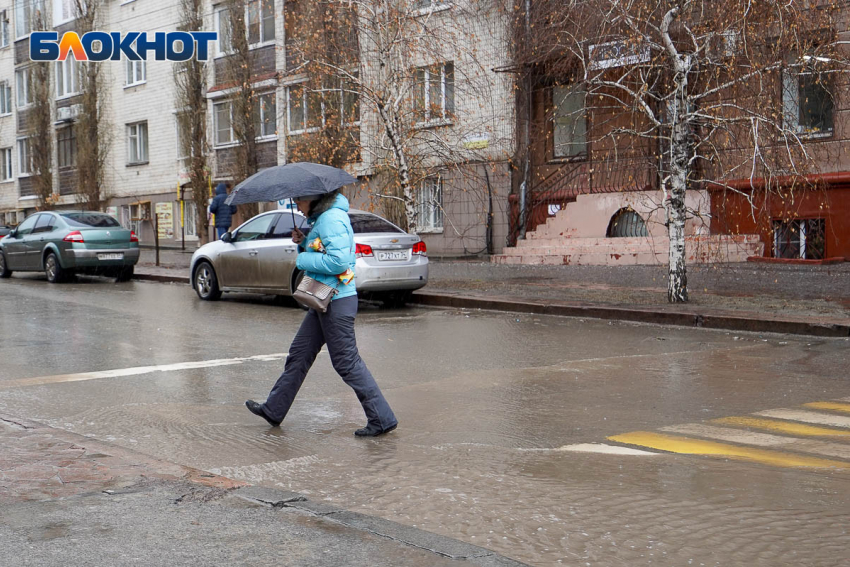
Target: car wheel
[
  {"x": 395, "y": 299},
  {"x": 125, "y": 274},
  {"x": 54, "y": 272},
  {"x": 206, "y": 282},
  {"x": 5, "y": 272}
]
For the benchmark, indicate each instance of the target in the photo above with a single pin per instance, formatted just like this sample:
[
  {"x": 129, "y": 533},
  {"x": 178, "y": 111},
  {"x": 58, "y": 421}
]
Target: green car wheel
[
  {"x": 5, "y": 272},
  {"x": 125, "y": 274},
  {"x": 54, "y": 272}
]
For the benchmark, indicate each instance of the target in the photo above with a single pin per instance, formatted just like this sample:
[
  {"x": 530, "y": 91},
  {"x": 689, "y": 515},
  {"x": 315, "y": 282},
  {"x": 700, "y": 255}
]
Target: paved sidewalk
[
  {"x": 753, "y": 296},
  {"x": 71, "y": 500}
]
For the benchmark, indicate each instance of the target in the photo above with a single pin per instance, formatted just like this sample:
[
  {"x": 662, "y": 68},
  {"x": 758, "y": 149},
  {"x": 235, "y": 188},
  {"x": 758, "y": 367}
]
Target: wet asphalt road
[{"x": 495, "y": 412}]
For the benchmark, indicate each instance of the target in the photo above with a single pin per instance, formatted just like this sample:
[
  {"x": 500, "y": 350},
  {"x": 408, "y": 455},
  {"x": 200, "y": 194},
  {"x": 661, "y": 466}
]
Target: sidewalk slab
[{"x": 72, "y": 500}]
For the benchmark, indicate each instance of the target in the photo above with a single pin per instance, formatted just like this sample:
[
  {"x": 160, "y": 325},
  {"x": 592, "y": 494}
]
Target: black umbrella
[{"x": 289, "y": 181}]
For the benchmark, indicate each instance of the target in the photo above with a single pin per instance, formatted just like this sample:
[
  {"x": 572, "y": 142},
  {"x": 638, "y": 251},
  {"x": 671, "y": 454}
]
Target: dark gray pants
[{"x": 336, "y": 328}]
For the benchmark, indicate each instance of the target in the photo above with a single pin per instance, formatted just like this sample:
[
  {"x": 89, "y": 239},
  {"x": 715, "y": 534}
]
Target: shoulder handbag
[{"x": 314, "y": 294}]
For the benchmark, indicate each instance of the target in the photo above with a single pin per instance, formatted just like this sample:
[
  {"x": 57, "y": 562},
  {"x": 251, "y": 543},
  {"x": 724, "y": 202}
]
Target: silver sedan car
[{"x": 259, "y": 257}]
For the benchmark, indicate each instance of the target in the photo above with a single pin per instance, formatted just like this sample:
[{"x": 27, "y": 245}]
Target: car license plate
[
  {"x": 401, "y": 255},
  {"x": 110, "y": 256}
]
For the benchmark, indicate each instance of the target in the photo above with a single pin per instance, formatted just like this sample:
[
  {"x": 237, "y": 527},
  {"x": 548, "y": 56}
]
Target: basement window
[
  {"x": 799, "y": 239},
  {"x": 626, "y": 223}
]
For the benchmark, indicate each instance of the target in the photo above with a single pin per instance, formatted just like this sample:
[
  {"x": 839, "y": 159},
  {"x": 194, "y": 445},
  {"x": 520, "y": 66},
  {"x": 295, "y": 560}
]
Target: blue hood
[
  {"x": 220, "y": 189},
  {"x": 340, "y": 203}
]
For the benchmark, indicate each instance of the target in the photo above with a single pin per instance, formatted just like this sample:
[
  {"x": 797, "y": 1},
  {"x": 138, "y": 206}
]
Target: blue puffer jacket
[
  {"x": 333, "y": 227},
  {"x": 223, "y": 213}
]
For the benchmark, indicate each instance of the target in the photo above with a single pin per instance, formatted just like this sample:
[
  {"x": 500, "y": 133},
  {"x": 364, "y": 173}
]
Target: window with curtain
[
  {"x": 435, "y": 93},
  {"x": 137, "y": 143},
  {"x": 429, "y": 205}
]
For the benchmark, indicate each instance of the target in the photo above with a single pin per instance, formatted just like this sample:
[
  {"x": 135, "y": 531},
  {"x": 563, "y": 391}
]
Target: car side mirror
[
  {"x": 227, "y": 237},
  {"x": 13, "y": 234}
]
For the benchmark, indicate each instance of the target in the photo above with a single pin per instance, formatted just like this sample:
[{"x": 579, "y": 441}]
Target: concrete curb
[
  {"x": 440, "y": 545},
  {"x": 745, "y": 321},
  {"x": 161, "y": 278},
  {"x": 414, "y": 537},
  {"x": 680, "y": 316}
]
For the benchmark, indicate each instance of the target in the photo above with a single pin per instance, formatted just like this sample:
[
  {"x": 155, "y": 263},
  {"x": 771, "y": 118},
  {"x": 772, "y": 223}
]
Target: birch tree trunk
[
  {"x": 677, "y": 276},
  {"x": 403, "y": 169}
]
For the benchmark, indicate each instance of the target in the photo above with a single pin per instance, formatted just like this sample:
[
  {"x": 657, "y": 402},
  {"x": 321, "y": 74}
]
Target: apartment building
[
  {"x": 466, "y": 110},
  {"x": 142, "y": 171},
  {"x": 770, "y": 175},
  {"x": 431, "y": 94}
]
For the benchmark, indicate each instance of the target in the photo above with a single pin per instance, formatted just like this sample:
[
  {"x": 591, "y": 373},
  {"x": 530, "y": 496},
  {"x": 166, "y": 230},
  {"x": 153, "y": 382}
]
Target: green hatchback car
[{"x": 62, "y": 243}]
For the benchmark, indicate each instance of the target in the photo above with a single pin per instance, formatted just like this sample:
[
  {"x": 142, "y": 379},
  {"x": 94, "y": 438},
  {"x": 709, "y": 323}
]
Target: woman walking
[{"x": 326, "y": 254}]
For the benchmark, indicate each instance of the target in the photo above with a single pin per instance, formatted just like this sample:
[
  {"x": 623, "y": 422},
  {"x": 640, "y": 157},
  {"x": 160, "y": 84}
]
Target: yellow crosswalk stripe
[
  {"x": 690, "y": 446},
  {"x": 782, "y": 426},
  {"x": 831, "y": 406}
]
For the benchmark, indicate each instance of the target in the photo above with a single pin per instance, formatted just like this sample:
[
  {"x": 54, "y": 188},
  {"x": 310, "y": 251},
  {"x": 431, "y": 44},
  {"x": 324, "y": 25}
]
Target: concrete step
[
  {"x": 598, "y": 259},
  {"x": 630, "y": 251}
]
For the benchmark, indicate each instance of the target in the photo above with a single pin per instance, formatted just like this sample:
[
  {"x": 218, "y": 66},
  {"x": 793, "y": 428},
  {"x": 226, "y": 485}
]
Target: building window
[
  {"x": 67, "y": 145},
  {"x": 429, "y": 205},
  {"x": 25, "y": 13},
  {"x": 22, "y": 80},
  {"x": 4, "y": 28},
  {"x": 348, "y": 101},
  {"x": 24, "y": 157},
  {"x": 5, "y": 98},
  {"x": 265, "y": 118},
  {"x": 435, "y": 93},
  {"x": 136, "y": 73},
  {"x": 63, "y": 11},
  {"x": 304, "y": 109},
  {"x": 190, "y": 222},
  {"x": 808, "y": 106},
  {"x": 6, "y": 164},
  {"x": 137, "y": 143},
  {"x": 223, "y": 123},
  {"x": 259, "y": 17},
  {"x": 222, "y": 26},
  {"x": 67, "y": 77},
  {"x": 570, "y": 122},
  {"x": 800, "y": 239}
]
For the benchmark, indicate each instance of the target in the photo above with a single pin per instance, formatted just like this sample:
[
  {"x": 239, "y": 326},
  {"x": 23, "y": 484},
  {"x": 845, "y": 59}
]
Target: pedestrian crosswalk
[{"x": 814, "y": 435}]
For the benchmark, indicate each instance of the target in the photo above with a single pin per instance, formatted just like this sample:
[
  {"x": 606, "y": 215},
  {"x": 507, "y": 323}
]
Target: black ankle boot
[
  {"x": 373, "y": 430},
  {"x": 257, "y": 409}
]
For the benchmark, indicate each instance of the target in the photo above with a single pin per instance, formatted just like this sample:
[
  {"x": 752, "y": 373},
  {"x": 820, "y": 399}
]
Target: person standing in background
[{"x": 223, "y": 213}]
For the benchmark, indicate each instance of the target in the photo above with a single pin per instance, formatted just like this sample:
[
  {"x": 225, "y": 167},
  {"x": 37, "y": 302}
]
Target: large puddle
[{"x": 485, "y": 401}]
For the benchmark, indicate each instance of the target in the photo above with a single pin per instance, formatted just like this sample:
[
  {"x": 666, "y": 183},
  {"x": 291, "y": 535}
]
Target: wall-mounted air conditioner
[{"x": 67, "y": 113}]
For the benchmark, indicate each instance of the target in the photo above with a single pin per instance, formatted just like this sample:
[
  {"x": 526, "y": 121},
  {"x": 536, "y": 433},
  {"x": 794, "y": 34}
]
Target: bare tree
[
  {"x": 92, "y": 128},
  {"x": 190, "y": 93},
  {"x": 395, "y": 70},
  {"x": 709, "y": 91},
  {"x": 238, "y": 65},
  {"x": 40, "y": 122}
]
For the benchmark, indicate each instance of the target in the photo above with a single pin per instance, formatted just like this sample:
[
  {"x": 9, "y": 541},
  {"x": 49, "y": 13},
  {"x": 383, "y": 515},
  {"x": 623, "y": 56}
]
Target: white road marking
[
  {"x": 605, "y": 449},
  {"x": 807, "y": 417},
  {"x": 122, "y": 372},
  {"x": 744, "y": 437}
]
